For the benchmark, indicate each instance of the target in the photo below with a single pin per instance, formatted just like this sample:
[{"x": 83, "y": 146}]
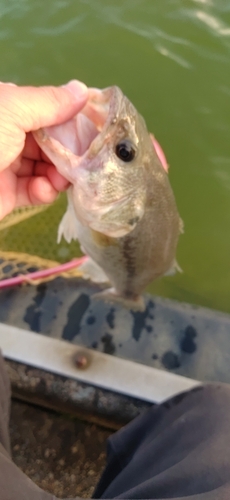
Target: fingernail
[{"x": 78, "y": 89}]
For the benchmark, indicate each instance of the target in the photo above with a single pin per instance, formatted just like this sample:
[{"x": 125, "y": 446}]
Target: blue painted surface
[{"x": 185, "y": 339}]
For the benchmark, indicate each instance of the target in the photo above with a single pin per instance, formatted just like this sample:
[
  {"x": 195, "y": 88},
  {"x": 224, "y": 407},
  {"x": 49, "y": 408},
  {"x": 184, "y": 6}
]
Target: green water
[{"x": 172, "y": 58}]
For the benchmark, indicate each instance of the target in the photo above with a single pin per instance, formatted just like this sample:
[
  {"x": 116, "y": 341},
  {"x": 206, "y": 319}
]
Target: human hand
[{"x": 26, "y": 175}]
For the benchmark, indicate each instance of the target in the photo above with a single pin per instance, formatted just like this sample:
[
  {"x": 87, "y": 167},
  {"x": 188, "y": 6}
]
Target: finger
[
  {"x": 34, "y": 191},
  {"x": 31, "y": 149},
  {"x": 56, "y": 179},
  {"x": 44, "y": 169},
  {"x": 7, "y": 192},
  {"x": 23, "y": 191},
  {"x": 23, "y": 167},
  {"x": 160, "y": 153}
]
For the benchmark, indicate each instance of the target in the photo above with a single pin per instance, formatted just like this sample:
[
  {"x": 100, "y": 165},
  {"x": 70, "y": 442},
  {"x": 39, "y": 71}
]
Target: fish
[{"x": 121, "y": 206}]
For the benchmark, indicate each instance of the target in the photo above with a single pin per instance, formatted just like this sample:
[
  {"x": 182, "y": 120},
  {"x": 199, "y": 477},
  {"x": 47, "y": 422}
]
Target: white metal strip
[{"x": 105, "y": 371}]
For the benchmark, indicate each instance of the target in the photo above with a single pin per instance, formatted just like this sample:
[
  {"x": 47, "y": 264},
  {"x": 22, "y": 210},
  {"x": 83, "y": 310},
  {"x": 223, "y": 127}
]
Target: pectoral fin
[
  {"x": 91, "y": 271},
  {"x": 173, "y": 269},
  {"x": 181, "y": 226},
  {"x": 68, "y": 225}
]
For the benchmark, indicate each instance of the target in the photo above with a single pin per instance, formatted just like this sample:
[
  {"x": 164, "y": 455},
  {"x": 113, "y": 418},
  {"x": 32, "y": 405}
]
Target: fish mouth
[{"x": 85, "y": 134}]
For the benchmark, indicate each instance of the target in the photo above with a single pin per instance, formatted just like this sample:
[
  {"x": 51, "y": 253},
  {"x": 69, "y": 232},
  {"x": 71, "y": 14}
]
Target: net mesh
[{"x": 28, "y": 236}]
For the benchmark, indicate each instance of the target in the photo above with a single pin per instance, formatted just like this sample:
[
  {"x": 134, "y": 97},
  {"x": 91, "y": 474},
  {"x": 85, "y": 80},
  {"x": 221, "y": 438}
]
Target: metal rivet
[{"x": 82, "y": 360}]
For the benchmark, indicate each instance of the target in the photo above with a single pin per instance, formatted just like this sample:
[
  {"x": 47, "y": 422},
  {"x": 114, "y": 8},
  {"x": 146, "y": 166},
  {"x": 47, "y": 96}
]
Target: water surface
[{"x": 171, "y": 58}]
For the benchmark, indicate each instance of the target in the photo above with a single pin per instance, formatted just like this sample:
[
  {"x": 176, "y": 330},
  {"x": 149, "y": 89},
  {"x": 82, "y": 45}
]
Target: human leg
[{"x": 180, "y": 449}]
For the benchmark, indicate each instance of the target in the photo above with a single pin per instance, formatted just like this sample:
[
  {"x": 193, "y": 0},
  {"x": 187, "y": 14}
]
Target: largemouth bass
[{"x": 121, "y": 206}]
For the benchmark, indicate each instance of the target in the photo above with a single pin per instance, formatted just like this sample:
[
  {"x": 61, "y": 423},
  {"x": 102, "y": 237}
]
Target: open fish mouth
[{"x": 76, "y": 138}]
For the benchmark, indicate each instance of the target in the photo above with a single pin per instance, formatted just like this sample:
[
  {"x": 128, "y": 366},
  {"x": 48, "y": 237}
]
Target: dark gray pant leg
[
  {"x": 4, "y": 407},
  {"x": 178, "y": 450}
]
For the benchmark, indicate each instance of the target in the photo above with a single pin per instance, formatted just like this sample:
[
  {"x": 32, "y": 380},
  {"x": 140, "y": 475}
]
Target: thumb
[
  {"x": 24, "y": 109},
  {"x": 33, "y": 107}
]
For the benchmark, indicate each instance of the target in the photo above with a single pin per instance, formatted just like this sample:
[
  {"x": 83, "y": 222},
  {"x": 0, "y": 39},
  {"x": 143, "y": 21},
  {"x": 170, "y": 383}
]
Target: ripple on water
[{"x": 59, "y": 29}]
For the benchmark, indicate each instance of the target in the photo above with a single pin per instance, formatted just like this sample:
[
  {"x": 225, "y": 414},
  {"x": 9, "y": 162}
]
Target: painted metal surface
[
  {"x": 109, "y": 372},
  {"x": 180, "y": 338}
]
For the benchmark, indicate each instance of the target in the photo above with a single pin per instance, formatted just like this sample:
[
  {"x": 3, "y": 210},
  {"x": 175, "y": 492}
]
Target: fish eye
[{"x": 125, "y": 151}]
